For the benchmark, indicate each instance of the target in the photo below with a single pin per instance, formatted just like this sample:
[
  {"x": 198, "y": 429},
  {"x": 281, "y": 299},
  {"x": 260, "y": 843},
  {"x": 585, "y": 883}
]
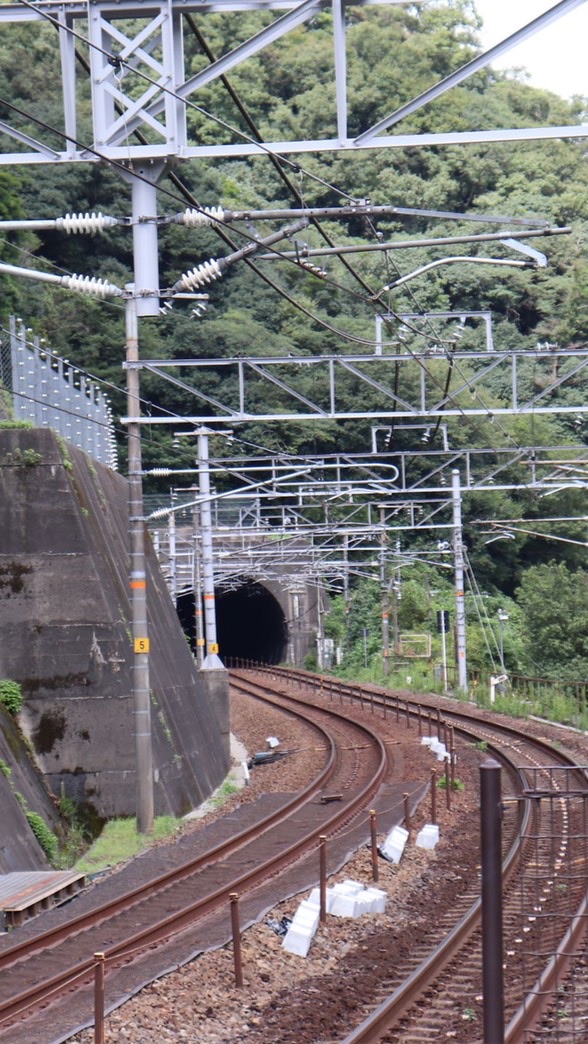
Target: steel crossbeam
[
  {"x": 340, "y": 376},
  {"x": 137, "y": 57}
]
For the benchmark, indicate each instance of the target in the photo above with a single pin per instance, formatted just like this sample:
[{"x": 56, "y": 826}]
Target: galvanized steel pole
[
  {"x": 384, "y": 595},
  {"x": 138, "y": 582},
  {"x": 212, "y": 660},
  {"x": 462, "y": 670}
]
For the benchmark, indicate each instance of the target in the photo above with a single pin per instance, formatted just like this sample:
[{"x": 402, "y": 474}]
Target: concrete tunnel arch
[{"x": 250, "y": 623}]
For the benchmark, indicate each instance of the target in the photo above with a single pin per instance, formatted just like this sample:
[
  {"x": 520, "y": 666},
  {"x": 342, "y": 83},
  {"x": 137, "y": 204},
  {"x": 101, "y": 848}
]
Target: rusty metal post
[
  {"x": 420, "y": 722},
  {"x": 323, "y": 877},
  {"x": 407, "y": 823},
  {"x": 452, "y": 754},
  {"x": 99, "y": 998},
  {"x": 492, "y": 942},
  {"x": 371, "y": 701},
  {"x": 439, "y": 725},
  {"x": 407, "y": 715},
  {"x": 447, "y": 784},
  {"x": 374, "y": 845},
  {"x": 433, "y": 796},
  {"x": 397, "y": 706},
  {"x": 236, "y": 930}
]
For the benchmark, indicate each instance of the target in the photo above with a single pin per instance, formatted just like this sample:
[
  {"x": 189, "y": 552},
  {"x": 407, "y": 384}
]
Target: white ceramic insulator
[
  {"x": 202, "y": 274},
  {"x": 195, "y": 218},
  {"x": 91, "y": 285},
  {"x": 85, "y": 222}
]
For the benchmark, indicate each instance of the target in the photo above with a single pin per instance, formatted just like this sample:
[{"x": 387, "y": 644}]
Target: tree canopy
[{"x": 270, "y": 308}]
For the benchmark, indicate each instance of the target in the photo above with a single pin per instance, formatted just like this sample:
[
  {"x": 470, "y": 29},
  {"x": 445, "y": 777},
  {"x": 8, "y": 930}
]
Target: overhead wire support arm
[
  {"x": 451, "y": 261},
  {"x": 410, "y": 244},
  {"x": 83, "y": 284},
  {"x": 71, "y": 223},
  {"x": 216, "y": 268},
  {"x": 194, "y": 217}
]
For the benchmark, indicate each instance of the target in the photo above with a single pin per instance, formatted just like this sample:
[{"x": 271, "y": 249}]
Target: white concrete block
[
  {"x": 377, "y": 899},
  {"x": 349, "y": 886},
  {"x": 427, "y": 740},
  {"x": 307, "y": 914},
  {"x": 428, "y": 837},
  {"x": 344, "y": 905},
  {"x": 301, "y": 932},
  {"x": 297, "y": 941},
  {"x": 347, "y": 899},
  {"x": 394, "y": 844},
  {"x": 315, "y": 898}
]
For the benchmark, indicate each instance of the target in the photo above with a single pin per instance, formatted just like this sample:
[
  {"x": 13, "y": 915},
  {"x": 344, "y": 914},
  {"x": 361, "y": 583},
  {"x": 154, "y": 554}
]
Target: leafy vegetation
[
  {"x": 44, "y": 835},
  {"x": 277, "y": 308},
  {"x": 120, "y": 841},
  {"x": 10, "y": 695}
]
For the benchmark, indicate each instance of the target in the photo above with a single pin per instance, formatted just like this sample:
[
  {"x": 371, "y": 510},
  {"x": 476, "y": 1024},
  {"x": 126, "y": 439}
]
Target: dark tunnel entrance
[{"x": 250, "y": 623}]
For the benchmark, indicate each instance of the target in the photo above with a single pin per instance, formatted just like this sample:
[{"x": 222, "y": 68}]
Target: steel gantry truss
[
  {"x": 306, "y": 518},
  {"x": 134, "y": 54},
  {"x": 530, "y": 378}
]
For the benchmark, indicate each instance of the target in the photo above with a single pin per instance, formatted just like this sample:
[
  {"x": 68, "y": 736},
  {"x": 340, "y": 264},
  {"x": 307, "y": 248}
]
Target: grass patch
[
  {"x": 120, "y": 841},
  {"x": 223, "y": 793}
]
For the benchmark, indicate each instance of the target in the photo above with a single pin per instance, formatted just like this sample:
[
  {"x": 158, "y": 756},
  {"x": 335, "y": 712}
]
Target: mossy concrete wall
[
  {"x": 65, "y": 635},
  {"x": 21, "y": 791}
]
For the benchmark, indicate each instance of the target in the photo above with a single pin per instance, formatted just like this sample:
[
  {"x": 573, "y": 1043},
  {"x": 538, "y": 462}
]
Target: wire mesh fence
[{"x": 50, "y": 392}]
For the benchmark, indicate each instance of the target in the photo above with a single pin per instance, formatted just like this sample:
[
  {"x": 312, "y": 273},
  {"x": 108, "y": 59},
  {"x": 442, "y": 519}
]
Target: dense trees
[{"x": 286, "y": 92}]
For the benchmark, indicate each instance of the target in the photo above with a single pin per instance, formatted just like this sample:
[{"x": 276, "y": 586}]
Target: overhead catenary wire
[{"x": 344, "y": 334}]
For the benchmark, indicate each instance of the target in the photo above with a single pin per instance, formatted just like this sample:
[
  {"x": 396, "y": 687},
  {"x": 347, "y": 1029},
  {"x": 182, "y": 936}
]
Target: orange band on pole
[{"x": 138, "y": 584}]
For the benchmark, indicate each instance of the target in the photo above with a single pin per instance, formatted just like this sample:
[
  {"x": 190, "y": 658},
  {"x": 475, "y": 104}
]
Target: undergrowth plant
[
  {"x": 44, "y": 835},
  {"x": 10, "y": 695}
]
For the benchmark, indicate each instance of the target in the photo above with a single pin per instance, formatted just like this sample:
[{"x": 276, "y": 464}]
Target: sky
[{"x": 555, "y": 56}]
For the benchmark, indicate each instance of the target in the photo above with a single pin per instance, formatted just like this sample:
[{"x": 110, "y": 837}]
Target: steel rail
[
  {"x": 162, "y": 929},
  {"x": 539, "y": 998}
]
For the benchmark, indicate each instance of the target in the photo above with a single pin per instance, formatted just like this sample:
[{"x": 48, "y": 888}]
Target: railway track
[
  {"x": 423, "y": 983},
  {"x": 57, "y": 962},
  {"x": 436, "y": 990}
]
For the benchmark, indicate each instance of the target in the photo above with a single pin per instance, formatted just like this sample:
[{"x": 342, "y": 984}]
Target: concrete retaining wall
[{"x": 65, "y": 635}]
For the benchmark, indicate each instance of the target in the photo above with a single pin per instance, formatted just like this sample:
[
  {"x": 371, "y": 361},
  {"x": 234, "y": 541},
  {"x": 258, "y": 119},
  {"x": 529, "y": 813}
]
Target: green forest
[{"x": 278, "y": 307}]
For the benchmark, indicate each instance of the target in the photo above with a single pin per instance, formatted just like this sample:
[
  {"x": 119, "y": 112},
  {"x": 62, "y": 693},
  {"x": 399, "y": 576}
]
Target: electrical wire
[{"x": 340, "y": 333}]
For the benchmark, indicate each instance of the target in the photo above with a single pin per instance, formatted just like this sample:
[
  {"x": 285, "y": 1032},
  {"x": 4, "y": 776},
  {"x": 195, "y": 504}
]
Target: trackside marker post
[
  {"x": 99, "y": 998},
  {"x": 236, "y": 930},
  {"x": 374, "y": 846}
]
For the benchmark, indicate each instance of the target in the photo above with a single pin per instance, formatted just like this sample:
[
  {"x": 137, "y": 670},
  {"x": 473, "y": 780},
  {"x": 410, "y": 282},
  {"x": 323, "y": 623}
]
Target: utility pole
[
  {"x": 198, "y": 621},
  {"x": 384, "y": 593},
  {"x": 138, "y": 580},
  {"x": 460, "y": 632},
  {"x": 173, "y": 558},
  {"x": 211, "y": 660}
]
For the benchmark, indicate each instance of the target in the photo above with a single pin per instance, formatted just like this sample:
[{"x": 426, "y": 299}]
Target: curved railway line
[
  {"x": 48, "y": 964},
  {"x": 429, "y": 980},
  {"x": 545, "y": 891}
]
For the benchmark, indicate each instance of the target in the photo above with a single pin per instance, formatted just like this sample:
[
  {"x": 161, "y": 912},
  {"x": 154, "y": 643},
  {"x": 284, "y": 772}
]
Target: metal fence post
[
  {"x": 492, "y": 943},
  {"x": 99, "y": 998}
]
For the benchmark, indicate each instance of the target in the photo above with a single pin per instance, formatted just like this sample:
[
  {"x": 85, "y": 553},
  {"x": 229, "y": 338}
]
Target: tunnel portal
[{"x": 250, "y": 623}]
